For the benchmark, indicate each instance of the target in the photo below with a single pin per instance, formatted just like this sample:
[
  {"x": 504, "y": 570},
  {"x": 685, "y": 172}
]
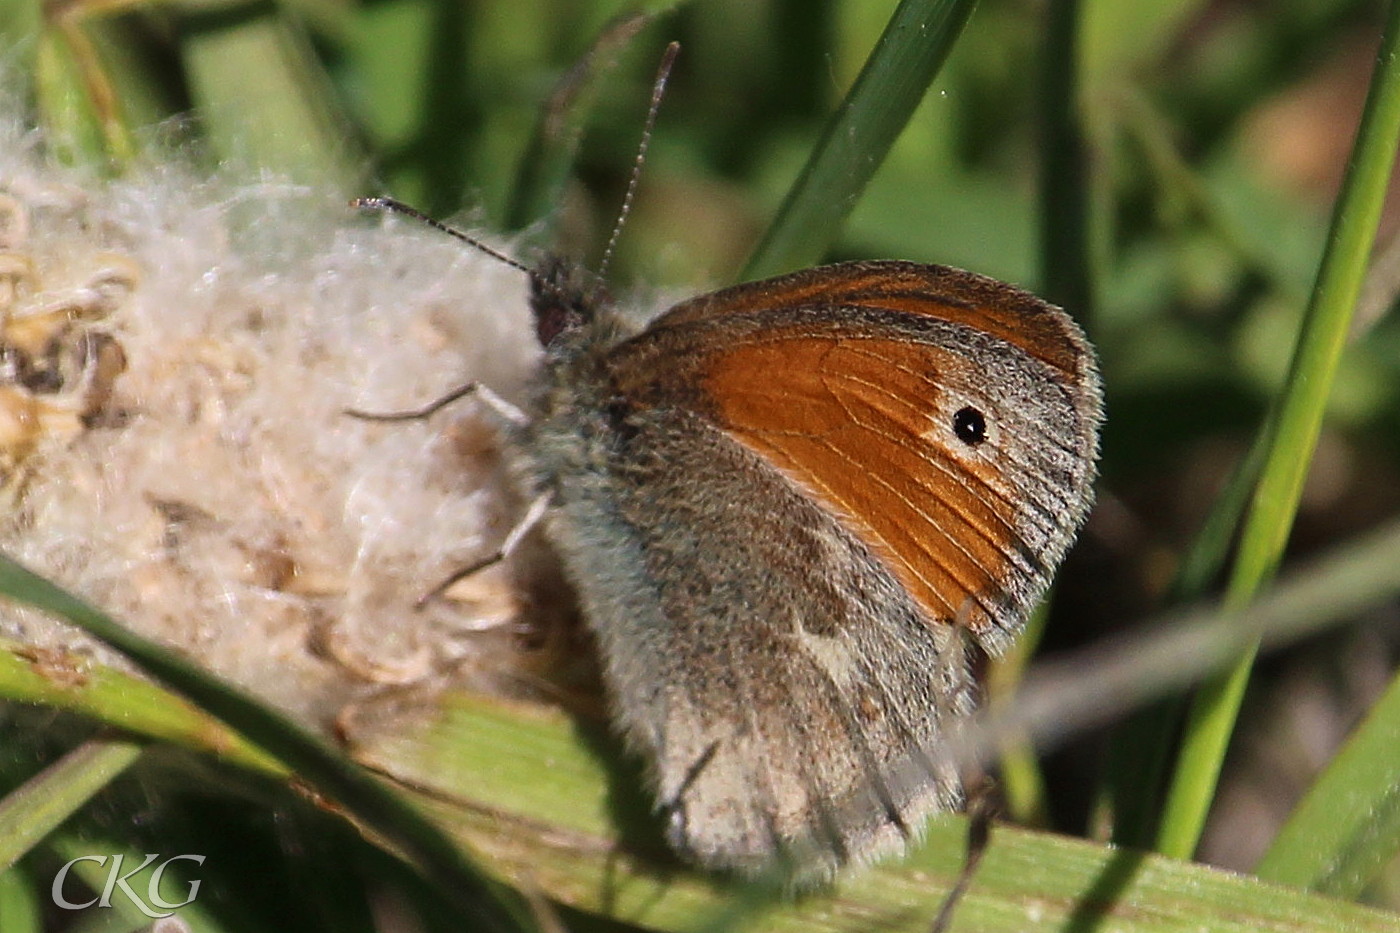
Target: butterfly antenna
[
  {"x": 398, "y": 207},
  {"x": 658, "y": 91}
]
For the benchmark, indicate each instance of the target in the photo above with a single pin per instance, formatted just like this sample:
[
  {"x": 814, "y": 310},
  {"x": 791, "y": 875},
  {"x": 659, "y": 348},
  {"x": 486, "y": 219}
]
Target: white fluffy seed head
[{"x": 178, "y": 353}]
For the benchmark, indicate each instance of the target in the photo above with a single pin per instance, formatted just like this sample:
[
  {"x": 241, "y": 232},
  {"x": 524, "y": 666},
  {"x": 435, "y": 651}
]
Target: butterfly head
[{"x": 565, "y": 299}]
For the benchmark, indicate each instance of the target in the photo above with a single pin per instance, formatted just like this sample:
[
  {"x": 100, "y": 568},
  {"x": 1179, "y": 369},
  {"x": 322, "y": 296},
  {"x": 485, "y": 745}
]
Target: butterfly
[{"x": 796, "y": 513}]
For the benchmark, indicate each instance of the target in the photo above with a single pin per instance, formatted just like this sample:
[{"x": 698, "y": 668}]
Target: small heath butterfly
[{"x": 796, "y": 512}]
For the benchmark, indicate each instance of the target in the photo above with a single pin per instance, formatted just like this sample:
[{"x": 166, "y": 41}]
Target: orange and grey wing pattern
[
  {"x": 983, "y": 304},
  {"x": 949, "y": 421}
]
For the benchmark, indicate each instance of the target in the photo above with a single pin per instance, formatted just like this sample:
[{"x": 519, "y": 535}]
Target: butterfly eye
[{"x": 970, "y": 426}]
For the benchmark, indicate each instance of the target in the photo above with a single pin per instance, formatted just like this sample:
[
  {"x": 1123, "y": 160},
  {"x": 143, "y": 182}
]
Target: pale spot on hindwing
[{"x": 829, "y": 653}]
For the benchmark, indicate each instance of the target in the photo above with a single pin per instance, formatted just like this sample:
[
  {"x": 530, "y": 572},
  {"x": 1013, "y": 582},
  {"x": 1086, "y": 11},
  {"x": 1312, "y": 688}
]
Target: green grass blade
[
  {"x": 264, "y": 99},
  {"x": 1065, "y": 280},
  {"x": 412, "y": 63},
  {"x": 1347, "y": 827},
  {"x": 483, "y": 764},
  {"x": 495, "y": 772},
  {"x": 19, "y": 905},
  {"x": 859, "y": 135},
  {"x": 39, "y": 805},
  {"x": 1105, "y": 680},
  {"x": 1020, "y": 777},
  {"x": 1210, "y": 549},
  {"x": 81, "y": 119},
  {"x": 138, "y": 707},
  {"x": 482, "y": 901},
  {"x": 498, "y": 773},
  {"x": 1298, "y": 423}
]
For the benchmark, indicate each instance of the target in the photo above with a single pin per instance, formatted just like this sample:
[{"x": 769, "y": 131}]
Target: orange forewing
[
  {"x": 850, "y": 421},
  {"x": 953, "y": 295}
]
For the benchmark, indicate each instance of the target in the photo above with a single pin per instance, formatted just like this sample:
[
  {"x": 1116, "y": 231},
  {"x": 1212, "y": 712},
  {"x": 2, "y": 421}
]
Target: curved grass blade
[
  {"x": 1299, "y": 412},
  {"x": 39, "y": 805},
  {"x": 528, "y": 787},
  {"x": 55, "y": 679},
  {"x": 486, "y": 904},
  {"x": 1347, "y": 827},
  {"x": 860, "y": 133},
  {"x": 494, "y": 772},
  {"x": 538, "y": 791}
]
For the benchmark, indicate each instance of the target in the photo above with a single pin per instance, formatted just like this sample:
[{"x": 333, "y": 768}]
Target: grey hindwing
[{"x": 787, "y": 693}]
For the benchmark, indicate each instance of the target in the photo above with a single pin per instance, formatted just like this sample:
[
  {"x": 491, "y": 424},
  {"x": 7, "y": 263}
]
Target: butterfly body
[{"x": 795, "y": 512}]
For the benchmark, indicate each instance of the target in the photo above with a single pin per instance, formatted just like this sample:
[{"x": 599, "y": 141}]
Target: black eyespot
[{"x": 970, "y": 426}]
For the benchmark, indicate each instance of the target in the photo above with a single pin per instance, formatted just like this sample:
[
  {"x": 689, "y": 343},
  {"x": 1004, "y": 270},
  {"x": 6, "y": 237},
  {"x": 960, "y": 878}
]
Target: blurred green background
[{"x": 1214, "y": 137}]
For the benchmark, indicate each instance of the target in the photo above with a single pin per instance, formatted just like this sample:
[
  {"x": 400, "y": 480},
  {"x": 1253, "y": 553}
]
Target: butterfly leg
[
  {"x": 508, "y": 413},
  {"x": 529, "y": 520},
  {"x": 500, "y": 406},
  {"x": 980, "y": 812},
  {"x": 672, "y": 810}
]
